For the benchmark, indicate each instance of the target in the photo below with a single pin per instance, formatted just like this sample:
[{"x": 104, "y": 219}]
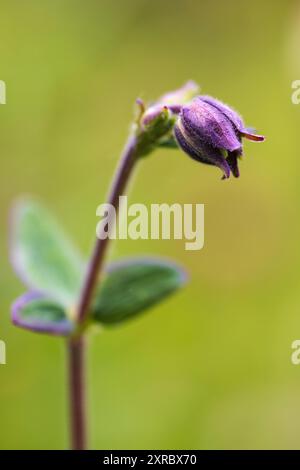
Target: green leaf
[
  {"x": 43, "y": 256},
  {"x": 36, "y": 313},
  {"x": 133, "y": 286}
]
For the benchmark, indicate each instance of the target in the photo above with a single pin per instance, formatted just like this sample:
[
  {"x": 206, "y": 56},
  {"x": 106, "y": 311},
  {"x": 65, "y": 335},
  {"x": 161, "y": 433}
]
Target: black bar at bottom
[{"x": 136, "y": 458}]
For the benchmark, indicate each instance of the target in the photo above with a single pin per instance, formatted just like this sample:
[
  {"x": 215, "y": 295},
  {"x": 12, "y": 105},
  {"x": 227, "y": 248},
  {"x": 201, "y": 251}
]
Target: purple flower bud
[{"x": 211, "y": 132}]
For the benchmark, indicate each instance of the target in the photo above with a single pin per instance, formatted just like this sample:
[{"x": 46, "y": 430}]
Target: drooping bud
[{"x": 211, "y": 132}]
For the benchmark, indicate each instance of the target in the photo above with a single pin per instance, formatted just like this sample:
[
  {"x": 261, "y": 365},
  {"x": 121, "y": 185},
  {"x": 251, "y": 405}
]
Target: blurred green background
[{"x": 210, "y": 368}]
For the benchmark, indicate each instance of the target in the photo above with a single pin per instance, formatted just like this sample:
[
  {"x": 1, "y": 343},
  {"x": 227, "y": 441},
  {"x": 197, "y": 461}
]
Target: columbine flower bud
[{"x": 211, "y": 132}]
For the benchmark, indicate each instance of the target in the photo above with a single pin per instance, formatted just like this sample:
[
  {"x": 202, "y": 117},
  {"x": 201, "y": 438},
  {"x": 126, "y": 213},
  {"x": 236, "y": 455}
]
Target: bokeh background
[{"x": 209, "y": 368}]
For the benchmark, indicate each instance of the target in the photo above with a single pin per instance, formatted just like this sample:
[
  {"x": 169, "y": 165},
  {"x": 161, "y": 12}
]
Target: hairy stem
[{"x": 77, "y": 346}]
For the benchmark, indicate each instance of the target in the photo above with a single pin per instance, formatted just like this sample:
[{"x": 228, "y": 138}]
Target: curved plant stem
[
  {"x": 76, "y": 346},
  {"x": 119, "y": 184}
]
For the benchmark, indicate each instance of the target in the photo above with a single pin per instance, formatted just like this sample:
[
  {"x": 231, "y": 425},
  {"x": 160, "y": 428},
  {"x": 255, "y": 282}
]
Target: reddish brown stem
[
  {"x": 76, "y": 368},
  {"x": 77, "y": 346}
]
